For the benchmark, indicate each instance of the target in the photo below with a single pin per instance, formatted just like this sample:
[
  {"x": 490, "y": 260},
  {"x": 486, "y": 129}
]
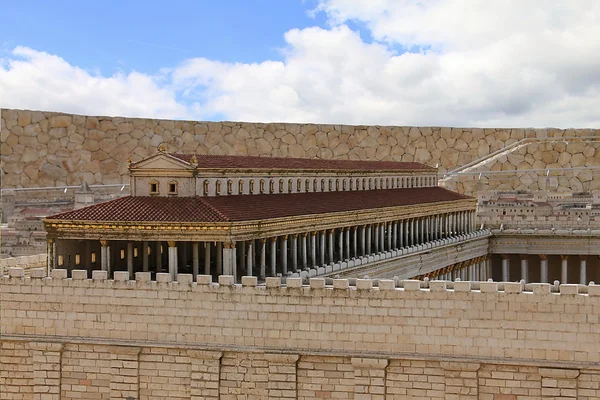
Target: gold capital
[
  {"x": 104, "y": 243},
  {"x": 172, "y": 244}
]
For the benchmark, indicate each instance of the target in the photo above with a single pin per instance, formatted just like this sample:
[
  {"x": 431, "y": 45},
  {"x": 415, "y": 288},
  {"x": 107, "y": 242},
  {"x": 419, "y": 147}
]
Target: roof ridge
[
  {"x": 53, "y": 216},
  {"x": 213, "y": 208}
]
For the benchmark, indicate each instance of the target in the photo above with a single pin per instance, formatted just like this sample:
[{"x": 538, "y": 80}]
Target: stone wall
[
  {"x": 46, "y": 148},
  {"x": 104, "y": 339}
]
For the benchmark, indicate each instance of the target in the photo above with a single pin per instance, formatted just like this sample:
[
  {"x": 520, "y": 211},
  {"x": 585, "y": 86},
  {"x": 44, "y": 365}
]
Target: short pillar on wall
[
  {"x": 50, "y": 249},
  {"x": 46, "y": 360},
  {"x": 124, "y": 362},
  {"x": 206, "y": 371},
  {"x": 369, "y": 378},
  {"x": 282, "y": 376}
]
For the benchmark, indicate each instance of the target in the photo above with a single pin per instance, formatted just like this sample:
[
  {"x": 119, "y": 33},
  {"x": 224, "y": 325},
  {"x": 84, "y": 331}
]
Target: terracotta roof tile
[
  {"x": 243, "y": 162},
  {"x": 253, "y": 207}
]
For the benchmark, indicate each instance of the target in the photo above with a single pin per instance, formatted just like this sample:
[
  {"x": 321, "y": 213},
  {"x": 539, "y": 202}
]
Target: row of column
[
  {"x": 476, "y": 269},
  {"x": 544, "y": 268}
]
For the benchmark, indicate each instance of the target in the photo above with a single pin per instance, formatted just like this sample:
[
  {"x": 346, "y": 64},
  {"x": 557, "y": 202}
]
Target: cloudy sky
[{"x": 493, "y": 63}]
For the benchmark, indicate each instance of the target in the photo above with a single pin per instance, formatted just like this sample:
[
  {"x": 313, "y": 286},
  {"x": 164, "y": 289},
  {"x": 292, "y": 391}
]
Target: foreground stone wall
[
  {"x": 46, "y": 148},
  {"x": 97, "y": 338}
]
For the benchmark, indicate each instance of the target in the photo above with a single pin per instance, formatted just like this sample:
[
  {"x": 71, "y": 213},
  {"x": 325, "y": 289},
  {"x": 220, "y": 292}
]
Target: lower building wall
[{"x": 42, "y": 370}]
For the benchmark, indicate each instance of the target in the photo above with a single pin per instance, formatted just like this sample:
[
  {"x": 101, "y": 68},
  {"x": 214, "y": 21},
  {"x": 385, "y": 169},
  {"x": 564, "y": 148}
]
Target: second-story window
[
  {"x": 229, "y": 186},
  {"x": 154, "y": 187},
  {"x": 241, "y": 186},
  {"x": 262, "y": 186},
  {"x": 218, "y": 188},
  {"x": 271, "y": 185},
  {"x": 172, "y": 187},
  {"x": 251, "y": 186},
  {"x": 290, "y": 183},
  {"x": 281, "y": 186},
  {"x": 205, "y": 188}
]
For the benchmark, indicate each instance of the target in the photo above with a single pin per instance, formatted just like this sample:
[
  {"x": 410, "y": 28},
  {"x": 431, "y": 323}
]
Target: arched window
[
  {"x": 344, "y": 183},
  {"x": 229, "y": 186},
  {"x": 290, "y": 184},
  {"x": 315, "y": 187},
  {"x": 351, "y": 184},
  {"x": 306, "y": 185},
  {"x": 205, "y": 188},
  {"x": 322, "y": 185},
  {"x": 331, "y": 185},
  {"x": 251, "y": 186},
  {"x": 218, "y": 187},
  {"x": 241, "y": 186},
  {"x": 281, "y": 186},
  {"x": 271, "y": 185},
  {"x": 262, "y": 186},
  {"x": 337, "y": 185},
  {"x": 299, "y": 185}
]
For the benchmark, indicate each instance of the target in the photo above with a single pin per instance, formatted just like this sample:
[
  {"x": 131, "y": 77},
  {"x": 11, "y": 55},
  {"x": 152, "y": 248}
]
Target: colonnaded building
[{"x": 268, "y": 216}]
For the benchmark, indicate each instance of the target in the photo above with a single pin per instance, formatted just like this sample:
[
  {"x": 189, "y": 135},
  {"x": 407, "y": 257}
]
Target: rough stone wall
[
  {"x": 103, "y": 339},
  {"x": 47, "y": 149}
]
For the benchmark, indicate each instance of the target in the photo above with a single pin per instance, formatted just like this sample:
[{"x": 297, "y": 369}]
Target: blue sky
[
  {"x": 148, "y": 35},
  {"x": 383, "y": 62}
]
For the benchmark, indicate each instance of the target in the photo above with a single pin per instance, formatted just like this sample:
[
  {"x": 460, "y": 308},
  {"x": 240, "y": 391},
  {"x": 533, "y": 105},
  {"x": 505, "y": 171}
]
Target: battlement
[{"x": 315, "y": 286}]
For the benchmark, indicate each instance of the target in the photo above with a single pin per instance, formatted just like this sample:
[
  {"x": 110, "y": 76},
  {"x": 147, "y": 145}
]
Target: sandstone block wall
[
  {"x": 46, "y": 148},
  {"x": 105, "y": 339}
]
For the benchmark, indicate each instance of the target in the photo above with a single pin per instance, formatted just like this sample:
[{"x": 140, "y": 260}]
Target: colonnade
[
  {"x": 475, "y": 269},
  {"x": 543, "y": 269},
  {"x": 283, "y": 254}
]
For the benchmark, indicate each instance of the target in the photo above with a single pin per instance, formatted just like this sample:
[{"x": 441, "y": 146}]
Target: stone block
[
  {"x": 462, "y": 286},
  {"x": 512, "y": 287},
  {"x": 79, "y": 274},
  {"x": 204, "y": 279},
  {"x": 317, "y": 283},
  {"x": 488, "y": 287},
  {"x": 143, "y": 276},
  {"x": 321, "y": 270},
  {"x": 272, "y": 282},
  {"x": 37, "y": 273},
  {"x": 341, "y": 283},
  {"x": 394, "y": 253},
  {"x": 411, "y": 285},
  {"x": 99, "y": 275},
  {"x": 568, "y": 288},
  {"x": 58, "y": 274},
  {"x": 358, "y": 262},
  {"x": 328, "y": 269},
  {"x": 185, "y": 279},
  {"x": 16, "y": 272},
  {"x": 364, "y": 284},
  {"x": 163, "y": 277},
  {"x": 437, "y": 286},
  {"x": 351, "y": 263},
  {"x": 293, "y": 282},
  {"x": 386, "y": 284},
  {"x": 594, "y": 290},
  {"x": 313, "y": 272},
  {"x": 336, "y": 267},
  {"x": 541, "y": 288},
  {"x": 228, "y": 280},
  {"x": 304, "y": 274},
  {"x": 343, "y": 265},
  {"x": 121, "y": 276}
]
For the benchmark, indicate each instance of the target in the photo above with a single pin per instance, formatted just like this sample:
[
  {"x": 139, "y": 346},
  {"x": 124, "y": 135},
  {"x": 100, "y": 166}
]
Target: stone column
[
  {"x": 282, "y": 377},
  {"x": 376, "y": 238},
  {"x": 273, "y": 242},
  {"x": 395, "y": 235},
  {"x": 243, "y": 255},
  {"x": 313, "y": 250},
  {"x": 382, "y": 237},
  {"x": 341, "y": 244},
  {"x": 229, "y": 260},
  {"x": 50, "y": 251},
  {"x": 206, "y": 258},
  {"x": 524, "y": 268},
  {"x": 543, "y": 268},
  {"x": 322, "y": 247},
  {"x": 263, "y": 259},
  {"x": 205, "y": 374},
  {"x": 347, "y": 242},
  {"x": 369, "y": 240},
  {"x": 564, "y": 260},
  {"x": 363, "y": 244},
  {"x": 369, "y": 378},
  {"x": 284, "y": 244},
  {"x": 505, "y": 268},
  {"x": 355, "y": 240},
  {"x": 104, "y": 254},
  {"x": 582, "y": 270},
  {"x": 158, "y": 256},
  {"x": 145, "y": 256},
  {"x": 195, "y": 259},
  {"x": 46, "y": 360},
  {"x": 124, "y": 363},
  {"x": 219, "y": 257},
  {"x": 173, "y": 260},
  {"x": 250, "y": 258},
  {"x": 390, "y": 235},
  {"x": 130, "y": 259},
  {"x": 401, "y": 231},
  {"x": 422, "y": 230},
  {"x": 294, "y": 248},
  {"x": 330, "y": 247}
]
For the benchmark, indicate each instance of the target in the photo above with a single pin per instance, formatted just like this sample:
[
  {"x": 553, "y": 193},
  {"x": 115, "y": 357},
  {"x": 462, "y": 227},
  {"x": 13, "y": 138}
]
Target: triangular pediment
[{"x": 161, "y": 161}]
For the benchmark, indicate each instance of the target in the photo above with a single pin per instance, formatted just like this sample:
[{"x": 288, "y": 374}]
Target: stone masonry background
[{"x": 48, "y": 148}]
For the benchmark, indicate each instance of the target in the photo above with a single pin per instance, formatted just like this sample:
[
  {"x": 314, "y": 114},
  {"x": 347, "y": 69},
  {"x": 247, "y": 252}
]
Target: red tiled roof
[
  {"x": 253, "y": 207},
  {"x": 249, "y": 162}
]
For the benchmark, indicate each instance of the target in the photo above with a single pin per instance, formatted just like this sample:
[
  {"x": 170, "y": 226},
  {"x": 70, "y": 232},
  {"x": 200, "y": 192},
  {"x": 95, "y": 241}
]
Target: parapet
[{"x": 185, "y": 282}]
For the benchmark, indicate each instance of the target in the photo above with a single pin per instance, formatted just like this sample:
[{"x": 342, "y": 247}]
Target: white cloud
[
  {"x": 37, "y": 80},
  {"x": 488, "y": 63}
]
